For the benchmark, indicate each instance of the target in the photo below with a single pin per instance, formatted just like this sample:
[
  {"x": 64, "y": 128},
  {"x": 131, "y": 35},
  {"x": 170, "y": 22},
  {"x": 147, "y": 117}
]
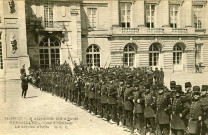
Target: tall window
[
  {"x": 154, "y": 52},
  {"x": 92, "y": 16},
  {"x": 129, "y": 55},
  {"x": 174, "y": 9},
  {"x": 49, "y": 50},
  {"x": 93, "y": 56},
  {"x": 1, "y": 55},
  {"x": 197, "y": 16},
  {"x": 150, "y": 15},
  {"x": 125, "y": 14},
  {"x": 48, "y": 15},
  {"x": 177, "y": 54}
]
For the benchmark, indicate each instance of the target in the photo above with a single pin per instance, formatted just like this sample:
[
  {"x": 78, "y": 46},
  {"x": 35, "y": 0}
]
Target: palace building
[{"x": 168, "y": 34}]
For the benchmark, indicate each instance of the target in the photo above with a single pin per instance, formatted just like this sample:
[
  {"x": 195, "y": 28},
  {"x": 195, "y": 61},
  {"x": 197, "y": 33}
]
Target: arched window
[
  {"x": 177, "y": 54},
  {"x": 129, "y": 55},
  {"x": 93, "y": 56},
  {"x": 49, "y": 52},
  {"x": 154, "y": 52}
]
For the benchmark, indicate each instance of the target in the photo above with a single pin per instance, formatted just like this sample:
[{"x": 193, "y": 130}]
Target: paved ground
[{"x": 20, "y": 116}]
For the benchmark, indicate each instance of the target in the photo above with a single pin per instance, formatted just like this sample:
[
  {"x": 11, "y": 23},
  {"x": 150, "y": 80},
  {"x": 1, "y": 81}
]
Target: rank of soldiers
[{"x": 133, "y": 98}]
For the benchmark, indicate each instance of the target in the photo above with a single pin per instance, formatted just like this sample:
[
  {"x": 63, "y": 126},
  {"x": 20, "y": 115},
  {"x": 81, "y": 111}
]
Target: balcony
[
  {"x": 179, "y": 31},
  {"x": 130, "y": 31},
  {"x": 155, "y": 31}
]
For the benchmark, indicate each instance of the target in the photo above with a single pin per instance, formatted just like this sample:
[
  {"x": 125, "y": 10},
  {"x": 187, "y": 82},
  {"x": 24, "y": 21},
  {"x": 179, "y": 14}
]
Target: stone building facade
[
  {"x": 168, "y": 34},
  {"x": 13, "y": 43}
]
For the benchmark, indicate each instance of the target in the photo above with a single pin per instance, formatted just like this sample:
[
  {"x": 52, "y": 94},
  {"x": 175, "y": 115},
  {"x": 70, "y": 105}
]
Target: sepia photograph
[{"x": 103, "y": 67}]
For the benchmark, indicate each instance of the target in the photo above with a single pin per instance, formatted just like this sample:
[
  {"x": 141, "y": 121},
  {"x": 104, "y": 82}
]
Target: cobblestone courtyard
[{"x": 20, "y": 116}]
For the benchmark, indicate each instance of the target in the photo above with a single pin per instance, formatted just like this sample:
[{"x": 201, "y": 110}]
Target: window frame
[
  {"x": 151, "y": 23},
  {"x": 175, "y": 23},
  {"x": 154, "y": 55},
  {"x": 90, "y": 56},
  {"x": 178, "y": 54},
  {"x": 129, "y": 55},
  {"x": 90, "y": 24},
  {"x": 48, "y": 15},
  {"x": 196, "y": 25},
  {"x": 49, "y": 47},
  {"x": 126, "y": 25}
]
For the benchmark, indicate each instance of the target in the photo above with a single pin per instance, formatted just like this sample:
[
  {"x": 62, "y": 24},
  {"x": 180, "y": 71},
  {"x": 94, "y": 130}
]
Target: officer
[
  {"x": 156, "y": 75},
  {"x": 120, "y": 100},
  {"x": 86, "y": 87},
  {"x": 24, "y": 84},
  {"x": 149, "y": 110},
  {"x": 172, "y": 86},
  {"x": 178, "y": 110},
  {"x": 204, "y": 101},
  {"x": 139, "y": 109},
  {"x": 112, "y": 99},
  {"x": 128, "y": 103},
  {"x": 162, "y": 111},
  {"x": 196, "y": 113}
]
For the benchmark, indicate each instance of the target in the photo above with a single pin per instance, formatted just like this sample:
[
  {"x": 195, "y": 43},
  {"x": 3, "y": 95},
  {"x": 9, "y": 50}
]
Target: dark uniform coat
[
  {"x": 128, "y": 99},
  {"x": 112, "y": 94},
  {"x": 91, "y": 90},
  {"x": 149, "y": 112},
  {"x": 138, "y": 106},
  {"x": 162, "y": 108},
  {"x": 104, "y": 94}
]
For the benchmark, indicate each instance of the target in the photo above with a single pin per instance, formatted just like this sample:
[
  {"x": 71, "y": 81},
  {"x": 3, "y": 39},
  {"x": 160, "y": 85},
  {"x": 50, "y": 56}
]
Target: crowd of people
[{"x": 135, "y": 98}]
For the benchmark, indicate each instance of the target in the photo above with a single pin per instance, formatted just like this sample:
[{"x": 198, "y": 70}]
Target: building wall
[
  {"x": 142, "y": 37},
  {"x": 13, "y": 26},
  {"x": 66, "y": 28}
]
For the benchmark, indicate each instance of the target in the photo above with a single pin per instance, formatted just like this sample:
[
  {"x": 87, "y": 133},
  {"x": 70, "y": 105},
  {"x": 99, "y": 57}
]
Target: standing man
[
  {"x": 24, "y": 84},
  {"x": 162, "y": 111},
  {"x": 196, "y": 112}
]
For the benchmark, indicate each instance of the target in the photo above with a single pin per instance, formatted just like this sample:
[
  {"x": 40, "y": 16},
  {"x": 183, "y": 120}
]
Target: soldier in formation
[{"x": 133, "y": 98}]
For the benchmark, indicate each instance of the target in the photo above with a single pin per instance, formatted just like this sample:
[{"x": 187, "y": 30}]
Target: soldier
[
  {"x": 112, "y": 100},
  {"x": 104, "y": 99},
  {"x": 128, "y": 103},
  {"x": 91, "y": 95},
  {"x": 204, "y": 100},
  {"x": 161, "y": 75},
  {"x": 188, "y": 94},
  {"x": 149, "y": 110},
  {"x": 196, "y": 112},
  {"x": 162, "y": 111},
  {"x": 86, "y": 87},
  {"x": 97, "y": 95},
  {"x": 120, "y": 100},
  {"x": 178, "y": 110},
  {"x": 138, "y": 109},
  {"x": 156, "y": 75}
]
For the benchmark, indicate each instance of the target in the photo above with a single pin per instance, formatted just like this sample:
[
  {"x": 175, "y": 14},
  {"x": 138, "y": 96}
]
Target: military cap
[
  {"x": 136, "y": 84},
  {"x": 160, "y": 86},
  {"x": 196, "y": 89},
  {"x": 110, "y": 77},
  {"x": 204, "y": 88},
  {"x": 187, "y": 84},
  {"x": 178, "y": 88},
  {"x": 172, "y": 84},
  {"x": 147, "y": 86}
]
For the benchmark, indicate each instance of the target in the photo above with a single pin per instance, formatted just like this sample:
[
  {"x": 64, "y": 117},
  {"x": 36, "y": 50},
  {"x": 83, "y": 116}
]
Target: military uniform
[
  {"x": 162, "y": 111},
  {"x": 104, "y": 99},
  {"x": 139, "y": 109},
  {"x": 149, "y": 110},
  {"x": 120, "y": 100},
  {"x": 129, "y": 104},
  {"x": 112, "y": 100},
  {"x": 196, "y": 112},
  {"x": 178, "y": 110}
]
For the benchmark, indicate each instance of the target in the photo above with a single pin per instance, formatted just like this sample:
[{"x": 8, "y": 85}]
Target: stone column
[
  {"x": 187, "y": 6},
  {"x": 141, "y": 14},
  {"x": 164, "y": 4},
  {"x": 115, "y": 12}
]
